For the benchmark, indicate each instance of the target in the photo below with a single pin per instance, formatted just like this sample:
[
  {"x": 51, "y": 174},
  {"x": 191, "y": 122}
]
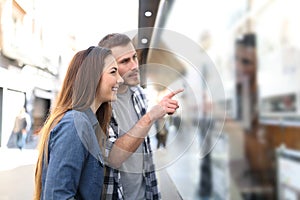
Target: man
[
  {"x": 246, "y": 87},
  {"x": 131, "y": 174},
  {"x": 162, "y": 132}
]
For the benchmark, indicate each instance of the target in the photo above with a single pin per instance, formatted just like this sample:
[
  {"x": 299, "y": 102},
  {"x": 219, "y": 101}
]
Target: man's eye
[{"x": 125, "y": 61}]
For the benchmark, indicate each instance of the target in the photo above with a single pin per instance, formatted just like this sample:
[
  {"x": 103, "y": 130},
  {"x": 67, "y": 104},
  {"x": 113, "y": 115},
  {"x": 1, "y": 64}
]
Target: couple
[{"x": 87, "y": 150}]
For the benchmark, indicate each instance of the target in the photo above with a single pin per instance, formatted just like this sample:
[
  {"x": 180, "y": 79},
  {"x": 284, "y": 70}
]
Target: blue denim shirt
[{"x": 75, "y": 164}]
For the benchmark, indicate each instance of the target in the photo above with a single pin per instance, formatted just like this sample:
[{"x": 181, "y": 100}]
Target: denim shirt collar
[
  {"x": 90, "y": 141},
  {"x": 91, "y": 115}
]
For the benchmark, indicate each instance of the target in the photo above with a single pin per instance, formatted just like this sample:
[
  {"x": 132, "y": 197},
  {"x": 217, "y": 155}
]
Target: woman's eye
[{"x": 113, "y": 71}]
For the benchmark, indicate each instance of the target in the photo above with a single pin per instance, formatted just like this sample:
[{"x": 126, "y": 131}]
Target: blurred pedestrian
[
  {"x": 162, "y": 132},
  {"x": 22, "y": 126},
  {"x": 70, "y": 161},
  {"x": 246, "y": 82},
  {"x": 206, "y": 124},
  {"x": 131, "y": 173}
]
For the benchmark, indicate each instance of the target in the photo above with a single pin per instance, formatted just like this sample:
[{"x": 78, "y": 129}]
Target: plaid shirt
[{"x": 112, "y": 187}]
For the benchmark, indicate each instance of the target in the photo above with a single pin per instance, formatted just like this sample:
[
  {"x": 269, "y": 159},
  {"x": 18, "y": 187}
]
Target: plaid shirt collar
[{"x": 112, "y": 188}]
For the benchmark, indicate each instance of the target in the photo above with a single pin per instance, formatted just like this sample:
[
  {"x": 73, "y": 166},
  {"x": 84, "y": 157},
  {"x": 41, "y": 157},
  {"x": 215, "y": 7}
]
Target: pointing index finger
[{"x": 172, "y": 94}]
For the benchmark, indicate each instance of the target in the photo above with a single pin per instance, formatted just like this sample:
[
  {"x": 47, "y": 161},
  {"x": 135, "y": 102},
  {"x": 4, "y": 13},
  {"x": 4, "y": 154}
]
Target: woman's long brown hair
[{"x": 78, "y": 92}]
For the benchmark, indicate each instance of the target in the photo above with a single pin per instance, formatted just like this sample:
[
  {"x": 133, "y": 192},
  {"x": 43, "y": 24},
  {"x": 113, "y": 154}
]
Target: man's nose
[{"x": 134, "y": 64}]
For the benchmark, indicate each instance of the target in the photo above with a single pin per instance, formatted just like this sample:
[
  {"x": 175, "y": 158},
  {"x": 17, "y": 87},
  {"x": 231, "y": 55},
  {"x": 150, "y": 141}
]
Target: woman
[{"x": 70, "y": 163}]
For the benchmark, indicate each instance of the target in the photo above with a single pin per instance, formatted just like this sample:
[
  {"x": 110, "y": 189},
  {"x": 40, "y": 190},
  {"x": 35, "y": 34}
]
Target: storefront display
[
  {"x": 288, "y": 167},
  {"x": 278, "y": 51}
]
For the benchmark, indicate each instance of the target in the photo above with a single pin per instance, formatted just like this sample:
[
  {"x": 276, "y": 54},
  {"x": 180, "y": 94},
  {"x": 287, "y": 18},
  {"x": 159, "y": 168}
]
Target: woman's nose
[{"x": 120, "y": 80}]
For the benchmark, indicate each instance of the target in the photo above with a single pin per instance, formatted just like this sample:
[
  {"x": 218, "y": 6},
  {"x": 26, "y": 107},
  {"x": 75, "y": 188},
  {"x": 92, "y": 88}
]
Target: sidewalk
[
  {"x": 17, "y": 173},
  {"x": 179, "y": 165},
  {"x": 178, "y": 168},
  {"x": 13, "y": 158}
]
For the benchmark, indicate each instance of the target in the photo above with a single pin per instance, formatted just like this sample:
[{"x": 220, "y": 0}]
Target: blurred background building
[
  {"x": 237, "y": 130},
  {"x": 32, "y": 63}
]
